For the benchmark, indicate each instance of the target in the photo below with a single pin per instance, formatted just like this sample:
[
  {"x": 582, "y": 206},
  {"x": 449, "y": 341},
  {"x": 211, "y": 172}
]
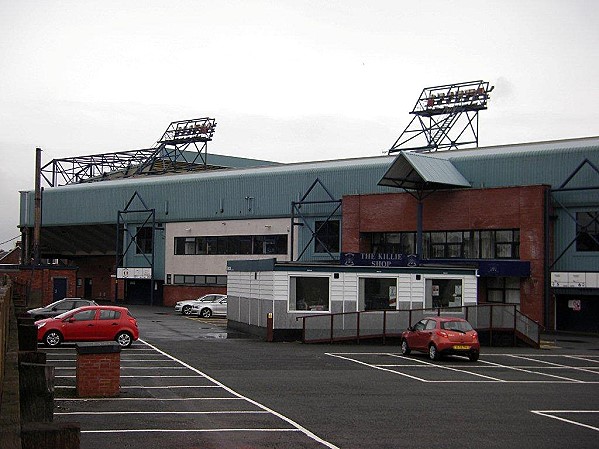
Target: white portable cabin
[{"x": 289, "y": 291}]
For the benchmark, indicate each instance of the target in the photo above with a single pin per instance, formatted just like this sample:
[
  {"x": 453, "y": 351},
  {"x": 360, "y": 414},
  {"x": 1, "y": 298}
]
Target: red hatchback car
[
  {"x": 90, "y": 323},
  {"x": 438, "y": 336}
]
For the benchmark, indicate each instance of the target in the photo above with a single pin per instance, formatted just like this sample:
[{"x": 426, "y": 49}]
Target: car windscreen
[{"x": 460, "y": 326}]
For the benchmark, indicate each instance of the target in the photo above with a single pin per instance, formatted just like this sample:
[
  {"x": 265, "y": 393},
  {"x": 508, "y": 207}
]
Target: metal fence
[{"x": 504, "y": 318}]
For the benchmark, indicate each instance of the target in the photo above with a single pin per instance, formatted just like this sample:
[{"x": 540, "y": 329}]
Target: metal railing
[{"x": 491, "y": 318}]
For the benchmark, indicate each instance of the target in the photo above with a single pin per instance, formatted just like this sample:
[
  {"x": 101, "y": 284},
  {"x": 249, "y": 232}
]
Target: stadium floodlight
[
  {"x": 189, "y": 131},
  {"x": 445, "y": 117}
]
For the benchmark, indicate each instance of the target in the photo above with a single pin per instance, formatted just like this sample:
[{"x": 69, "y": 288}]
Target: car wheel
[
  {"x": 405, "y": 348},
  {"x": 52, "y": 338},
  {"x": 473, "y": 356},
  {"x": 186, "y": 310},
  {"x": 206, "y": 313},
  {"x": 433, "y": 354},
  {"x": 124, "y": 339}
]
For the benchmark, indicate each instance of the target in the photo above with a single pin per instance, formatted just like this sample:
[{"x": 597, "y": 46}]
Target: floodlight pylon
[{"x": 445, "y": 117}]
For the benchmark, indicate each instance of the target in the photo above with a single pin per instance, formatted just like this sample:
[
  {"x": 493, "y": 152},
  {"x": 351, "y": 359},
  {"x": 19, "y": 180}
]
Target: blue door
[{"x": 60, "y": 289}]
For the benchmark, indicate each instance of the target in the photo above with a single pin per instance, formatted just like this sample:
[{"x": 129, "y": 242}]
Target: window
[
  {"x": 270, "y": 244},
  {"x": 231, "y": 245},
  {"x": 503, "y": 290},
  {"x": 443, "y": 293},
  {"x": 430, "y": 325},
  {"x": 473, "y": 244},
  {"x": 377, "y": 293},
  {"x": 309, "y": 293},
  {"x": 109, "y": 315},
  {"x": 507, "y": 244},
  {"x": 393, "y": 242},
  {"x": 326, "y": 237},
  {"x": 85, "y": 315},
  {"x": 587, "y": 231},
  {"x": 65, "y": 305},
  {"x": 143, "y": 241},
  {"x": 201, "y": 279},
  {"x": 420, "y": 325}
]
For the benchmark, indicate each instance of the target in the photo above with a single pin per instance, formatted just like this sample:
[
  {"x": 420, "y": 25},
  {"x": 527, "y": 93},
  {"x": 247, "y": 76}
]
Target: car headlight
[{"x": 39, "y": 326}]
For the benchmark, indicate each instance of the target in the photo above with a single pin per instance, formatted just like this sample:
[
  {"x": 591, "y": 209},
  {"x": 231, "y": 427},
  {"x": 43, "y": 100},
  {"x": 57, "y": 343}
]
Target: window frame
[
  {"x": 292, "y": 290},
  {"x": 324, "y": 236},
  {"x": 582, "y": 231}
]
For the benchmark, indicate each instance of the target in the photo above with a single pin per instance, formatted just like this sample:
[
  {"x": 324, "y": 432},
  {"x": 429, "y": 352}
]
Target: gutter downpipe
[
  {"x": 546, "y": 255},
  {"x": 37, "y": 224}
]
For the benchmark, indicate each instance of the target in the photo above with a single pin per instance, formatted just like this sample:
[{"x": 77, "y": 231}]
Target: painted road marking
[
  {"x": 215, "y": 385},
  {"x": 551, "y": 414},
  {"x": 541, "y": 369}
]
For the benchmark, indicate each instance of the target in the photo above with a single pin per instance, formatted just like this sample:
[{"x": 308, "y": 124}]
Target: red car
[
  {"x": 441, "y": 335},
  {"x": 90, "y": 323}
]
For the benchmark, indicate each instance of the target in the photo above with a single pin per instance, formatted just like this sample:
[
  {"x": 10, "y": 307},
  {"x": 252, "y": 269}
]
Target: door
[
  {"x": 80, "y": 326},
  {"x": 107, "y": 324},
  {"x": 220, "y": 307},
  {"x": 87, "y": 288},
  {"x": 59, "y": 289},
  {"x": 418, "y": 336}
]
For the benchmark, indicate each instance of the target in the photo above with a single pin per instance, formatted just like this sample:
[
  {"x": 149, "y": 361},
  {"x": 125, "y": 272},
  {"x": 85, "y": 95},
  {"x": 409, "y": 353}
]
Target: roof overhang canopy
[{"x": 415, "y": 171}]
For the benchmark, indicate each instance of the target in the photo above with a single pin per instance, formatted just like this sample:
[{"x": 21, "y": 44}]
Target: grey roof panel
[{"x": 417, "y": 171}]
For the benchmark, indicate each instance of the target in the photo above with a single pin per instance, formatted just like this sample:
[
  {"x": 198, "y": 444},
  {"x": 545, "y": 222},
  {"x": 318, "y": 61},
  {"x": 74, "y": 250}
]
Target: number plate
[{"x": 461, "y": 347}]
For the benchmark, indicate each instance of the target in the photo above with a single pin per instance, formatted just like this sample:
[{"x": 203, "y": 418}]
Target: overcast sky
[{"x": 285, "y": 80}]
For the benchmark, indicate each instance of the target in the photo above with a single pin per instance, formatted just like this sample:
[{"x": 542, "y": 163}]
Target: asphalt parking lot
[{"x": 188, "y": 383}]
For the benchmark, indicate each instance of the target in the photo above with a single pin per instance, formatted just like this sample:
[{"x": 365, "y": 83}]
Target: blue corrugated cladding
[
  {"x": 268, "y": 191},
  {"x": 231, "y": 194}
]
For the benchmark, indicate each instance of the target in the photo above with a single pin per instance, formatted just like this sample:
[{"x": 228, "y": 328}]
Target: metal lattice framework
[
  {"x": 182, "y": 147},
  {"x": 296, "y": 211},
  {"x": 445, "y": 117}
]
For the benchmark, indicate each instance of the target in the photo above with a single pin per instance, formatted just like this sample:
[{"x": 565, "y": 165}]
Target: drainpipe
[
  {"x": 546, "y": 264},
  {"x": 37, "y": 223},
  {"x": 419, "y": 230}
]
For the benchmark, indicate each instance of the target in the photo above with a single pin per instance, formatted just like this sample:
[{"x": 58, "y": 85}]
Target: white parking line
[
  {"x": 375, "y": 367},
  {"x": 147, "y": 399},
  {"x": 555, "y": 365},
  {"x": 453, "y": 369},
  {"x": 126, "y": 412},
  {"x": 569, "y": 379},
  {"x": 136, "y": 377},
  {"x": 297, "y": 427},
  {"x": 586, "y": 359},
  {"x": 551, "y": 414},
  {"x": 188, "y": 430},
  {"x": 483, "y": 364}
]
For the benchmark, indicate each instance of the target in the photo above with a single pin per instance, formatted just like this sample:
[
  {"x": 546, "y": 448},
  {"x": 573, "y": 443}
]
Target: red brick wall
[
  {"x": 174, "y": 293},
  {"x": 100, "y": 270},
  {"x": 500, "y": 208},
  {"x": 39, "y": 283},
  {"x": 98, "y": 375}
]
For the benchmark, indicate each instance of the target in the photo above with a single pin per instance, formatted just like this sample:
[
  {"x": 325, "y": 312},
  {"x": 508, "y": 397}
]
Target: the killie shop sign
[{"x": 379, "y": 260}]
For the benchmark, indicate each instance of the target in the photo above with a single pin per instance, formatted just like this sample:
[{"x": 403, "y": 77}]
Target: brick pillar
[{"x": 98, "y": 369}]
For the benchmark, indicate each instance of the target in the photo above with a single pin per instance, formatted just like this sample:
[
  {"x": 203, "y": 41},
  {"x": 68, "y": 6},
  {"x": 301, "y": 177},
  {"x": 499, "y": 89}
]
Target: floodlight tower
[
  {"x": 183, "y": 145},
  {"x": 445, "y": 117}
]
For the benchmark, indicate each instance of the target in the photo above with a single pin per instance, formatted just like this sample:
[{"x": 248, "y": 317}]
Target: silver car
[
  {"x": 207, "y": 309},
  {"x": 184, "y": 307},
  {"x": 58, "y": 307}
]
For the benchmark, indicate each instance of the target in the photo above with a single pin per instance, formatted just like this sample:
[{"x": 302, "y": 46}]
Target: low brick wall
[{"x": 98, "y": 369}]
